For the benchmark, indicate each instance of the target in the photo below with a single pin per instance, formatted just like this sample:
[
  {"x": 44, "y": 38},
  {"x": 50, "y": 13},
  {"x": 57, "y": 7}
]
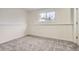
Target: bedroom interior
[{"x": 39, "y": 29}]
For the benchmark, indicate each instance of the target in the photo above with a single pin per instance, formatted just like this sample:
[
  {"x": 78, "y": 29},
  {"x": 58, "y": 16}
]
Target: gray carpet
[{"x": 30, "y": 43}]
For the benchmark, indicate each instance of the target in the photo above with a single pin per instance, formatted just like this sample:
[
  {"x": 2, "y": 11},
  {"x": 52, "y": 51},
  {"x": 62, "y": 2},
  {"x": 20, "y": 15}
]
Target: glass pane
[
  {"x": 43, "y": 15},
  {"x": 50, "y": 15},
  {"x": 47, "y": 16}
]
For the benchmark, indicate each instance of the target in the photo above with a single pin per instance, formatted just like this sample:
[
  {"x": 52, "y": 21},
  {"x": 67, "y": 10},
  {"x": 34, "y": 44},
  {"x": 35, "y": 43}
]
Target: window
[{"x": 47, "y": 16}]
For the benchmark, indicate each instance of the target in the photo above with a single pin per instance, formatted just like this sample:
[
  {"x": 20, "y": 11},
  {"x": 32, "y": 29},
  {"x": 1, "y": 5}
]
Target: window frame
[{"x": 47, "y": 19}]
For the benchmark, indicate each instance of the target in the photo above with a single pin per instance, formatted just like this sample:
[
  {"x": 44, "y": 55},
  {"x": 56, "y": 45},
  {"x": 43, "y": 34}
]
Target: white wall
[
  {"x": 12, "y": 24},
  {"x": 63, "y": 31}
]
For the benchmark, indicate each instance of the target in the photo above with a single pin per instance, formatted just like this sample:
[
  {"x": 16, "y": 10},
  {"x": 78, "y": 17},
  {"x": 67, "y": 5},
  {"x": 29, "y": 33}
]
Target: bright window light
[{"x": 47, "y": 16}]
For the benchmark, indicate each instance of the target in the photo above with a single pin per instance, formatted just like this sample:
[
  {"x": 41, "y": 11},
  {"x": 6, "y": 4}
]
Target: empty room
[{"x": 39, "y": 29}]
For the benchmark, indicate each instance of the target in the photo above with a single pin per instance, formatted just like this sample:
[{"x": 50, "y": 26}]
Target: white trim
[{"x": 74, "y": 26}]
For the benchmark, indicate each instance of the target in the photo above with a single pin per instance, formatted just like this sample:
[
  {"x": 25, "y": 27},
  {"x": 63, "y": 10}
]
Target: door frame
[{"x": 75, "y": 25}]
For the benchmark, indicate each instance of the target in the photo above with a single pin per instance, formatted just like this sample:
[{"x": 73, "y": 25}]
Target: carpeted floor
[{"x": 31, "y": 43}]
